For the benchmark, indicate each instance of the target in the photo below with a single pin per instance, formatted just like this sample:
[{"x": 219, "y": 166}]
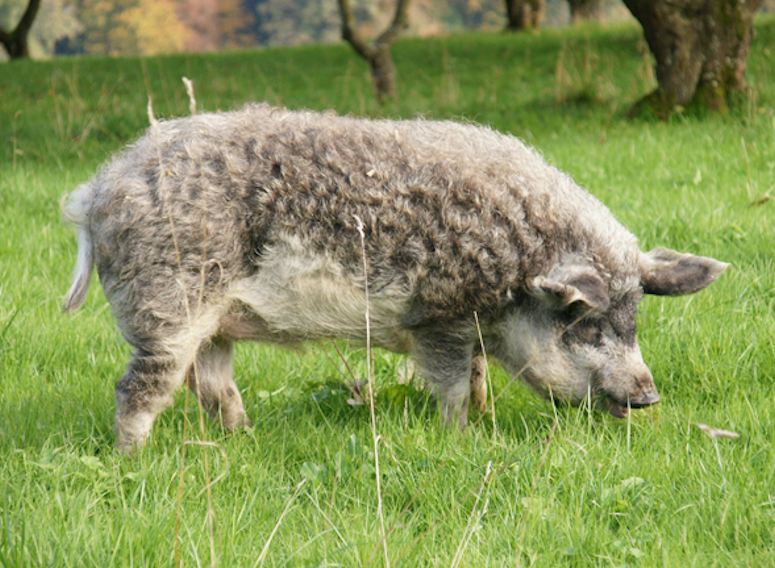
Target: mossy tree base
[{"x": 700, "y": 47}]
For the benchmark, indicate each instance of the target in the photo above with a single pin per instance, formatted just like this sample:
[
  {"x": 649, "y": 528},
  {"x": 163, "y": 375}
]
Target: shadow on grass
[
  {"x": 404, "y": 406},
  {"x": 83, "y": 421}
]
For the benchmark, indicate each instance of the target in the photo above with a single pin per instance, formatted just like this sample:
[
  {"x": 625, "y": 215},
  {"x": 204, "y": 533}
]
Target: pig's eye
[
  {"x": 593, "y": 335},
  {"x": 588, "y": 333}
]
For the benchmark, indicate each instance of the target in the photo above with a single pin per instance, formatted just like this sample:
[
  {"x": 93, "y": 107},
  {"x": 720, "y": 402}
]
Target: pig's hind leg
[
  {"x": 146, "y": 389},
  {"x": 445, "y": 362},
  {"x": 164, "y": 354},
  {"x": 210, "y": 378}
]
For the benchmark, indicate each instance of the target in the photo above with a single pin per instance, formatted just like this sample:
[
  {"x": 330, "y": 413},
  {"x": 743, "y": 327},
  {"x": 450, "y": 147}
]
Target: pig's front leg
[{"x": 444, "y": 361}]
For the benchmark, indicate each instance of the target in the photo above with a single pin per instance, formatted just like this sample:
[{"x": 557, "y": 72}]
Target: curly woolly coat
[
  {"x": 457, "y": 217},
  {"x": 243, "y": 225}
]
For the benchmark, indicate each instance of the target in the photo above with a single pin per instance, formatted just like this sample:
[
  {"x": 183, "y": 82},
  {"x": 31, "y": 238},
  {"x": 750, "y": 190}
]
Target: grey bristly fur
[{"x": 242, "y": 225}]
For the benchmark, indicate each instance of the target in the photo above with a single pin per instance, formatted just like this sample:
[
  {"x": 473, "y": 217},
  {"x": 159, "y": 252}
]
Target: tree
[
  {"x": 279, "y": 22},
  {"x": 16, "y": 42},
  {"x": 582, "y": 10},
  {"x": 200, "y": 17},
  {"x": 700, "y": 47},
  {"x": 234, "y": 23},
  {"x": 104, "y": 32},
  {"x": 524, "y": 14},
  {"x": 155, "y": 27},
  {"x": 377, "y": 52},
  {"x": 56, "y": 22}
]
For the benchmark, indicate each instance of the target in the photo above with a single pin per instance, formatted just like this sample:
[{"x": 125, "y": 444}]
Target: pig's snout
[
  {"x": 647, "y": 399},
  {"x": 645, "y": 392},
  {"x": 638, "y": 391}
]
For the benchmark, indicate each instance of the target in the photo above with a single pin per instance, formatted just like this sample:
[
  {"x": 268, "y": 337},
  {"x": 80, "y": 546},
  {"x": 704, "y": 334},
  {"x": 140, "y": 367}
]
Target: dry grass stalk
[
  {"x": 487, "y": 377},
  {"x": 186, "y": 442},
  {"x": 370, "y": 381},
  {"x": 202, "y": 428},
  {"x": 151, "y": 118},
  {"x": 473, "y": 519},
  {"x": 534, "y": 483},
  {"x": 344, "y": 361},
  {"x": 217, "y": 479},
  {"x": 288, "y": 503},
  {"x": 181, "y": 484},
  {"x": 189, "y": 84},
  {"x": 331, "y": 524},
  {"x": 355, "y": 385}
]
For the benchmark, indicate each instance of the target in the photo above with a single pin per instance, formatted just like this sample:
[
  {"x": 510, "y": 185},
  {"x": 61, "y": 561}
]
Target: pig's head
[{"x": 573, "y": 338}]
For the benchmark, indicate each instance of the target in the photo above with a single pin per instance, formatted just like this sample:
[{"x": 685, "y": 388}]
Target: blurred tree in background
[
  {"x": 153, "y": 27},
  {"x": 200, "y": 17},
  {"x": 137, "y": 27},
  {"x": 15, "y": 41},
  {"x": 524, "y": 15},
  {"x": 142, "y": 27},
  {"x": 234, "y": 21},
  {"x": 376, "y": 52},
  {"x": 581, "y": 10},
  {"x": 54, "y": 19}
]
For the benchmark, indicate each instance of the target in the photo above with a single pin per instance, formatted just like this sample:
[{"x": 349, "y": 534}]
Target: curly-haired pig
[{"x": 244, "y": 225}]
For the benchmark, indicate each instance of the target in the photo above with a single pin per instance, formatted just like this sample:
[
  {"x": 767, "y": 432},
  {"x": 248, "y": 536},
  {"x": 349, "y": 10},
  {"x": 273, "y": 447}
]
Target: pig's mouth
[
  {"x": 615, "y": 408},
  {"x": 622, "y": 409}
]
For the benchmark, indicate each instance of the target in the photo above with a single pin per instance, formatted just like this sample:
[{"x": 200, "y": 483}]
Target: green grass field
[{"x": 567, "y": 487}]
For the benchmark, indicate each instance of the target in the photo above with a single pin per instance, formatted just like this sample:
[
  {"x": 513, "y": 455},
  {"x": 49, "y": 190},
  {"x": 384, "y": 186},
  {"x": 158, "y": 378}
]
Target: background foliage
[{"x": 110, "y": 27}]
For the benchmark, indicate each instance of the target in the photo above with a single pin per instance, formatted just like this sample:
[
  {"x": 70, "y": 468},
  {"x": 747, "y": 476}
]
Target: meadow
[{"x": 537, "y": 485}]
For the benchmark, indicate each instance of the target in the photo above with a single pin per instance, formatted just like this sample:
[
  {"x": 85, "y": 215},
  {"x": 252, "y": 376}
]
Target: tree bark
[
  {"x": 585, "y": 10},
  {"x": 700, "y": 47},
  {"x": 15, "y": 42},
  {"x": 377, "y": 52},
  {"x": 524, "y": 15}
]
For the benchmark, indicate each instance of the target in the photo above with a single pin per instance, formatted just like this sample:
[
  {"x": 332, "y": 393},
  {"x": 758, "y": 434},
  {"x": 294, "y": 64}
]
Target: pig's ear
[
  {"x": 665, "y": 272},
  {"x": 572, "y": 286}
]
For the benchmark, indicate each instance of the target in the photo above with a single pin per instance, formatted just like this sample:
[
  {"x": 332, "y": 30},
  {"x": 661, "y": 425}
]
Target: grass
[{"x": 567, "y": 487}]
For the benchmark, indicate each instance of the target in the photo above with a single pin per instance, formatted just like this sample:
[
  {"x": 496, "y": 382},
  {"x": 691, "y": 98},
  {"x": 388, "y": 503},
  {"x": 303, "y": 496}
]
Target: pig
[{"x": 244, "y": 225}]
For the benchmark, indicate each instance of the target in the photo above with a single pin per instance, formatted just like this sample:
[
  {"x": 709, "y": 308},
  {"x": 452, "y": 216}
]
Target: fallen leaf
[{"x": 714, "y": 433}]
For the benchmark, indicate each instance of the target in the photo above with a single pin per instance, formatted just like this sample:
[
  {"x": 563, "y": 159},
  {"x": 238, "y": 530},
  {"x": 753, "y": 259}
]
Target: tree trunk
[
  {"x": 585, "y": 10},
  {"x": 700, "y": 47},
  {"x": 383, "y": 73},
  {"x": 15, "y": 42},
  {"x": 524, "y": 15},
  {"x": 377, "y": 52}
]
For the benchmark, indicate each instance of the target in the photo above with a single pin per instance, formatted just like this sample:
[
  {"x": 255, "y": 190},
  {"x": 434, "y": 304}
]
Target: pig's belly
[{"x": 300, "y": 297}]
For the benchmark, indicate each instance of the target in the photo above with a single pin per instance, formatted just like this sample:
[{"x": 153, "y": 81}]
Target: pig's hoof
[
  {"x": 241, "y": 422},
  {"x": 128, "y": 445},
  {"x": 454, "y": 414},
  {"x": 132, "y": 430}
]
